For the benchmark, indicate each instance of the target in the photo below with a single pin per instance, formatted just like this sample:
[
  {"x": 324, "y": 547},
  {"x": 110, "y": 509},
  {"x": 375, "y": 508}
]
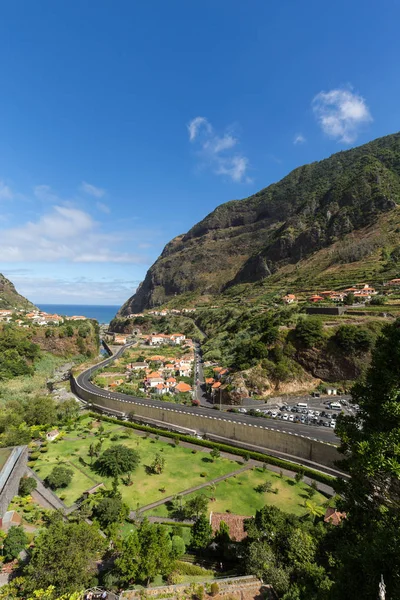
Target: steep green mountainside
[
  {"x": 9, "y": 297},
  {"x": 317, "y": 206}
]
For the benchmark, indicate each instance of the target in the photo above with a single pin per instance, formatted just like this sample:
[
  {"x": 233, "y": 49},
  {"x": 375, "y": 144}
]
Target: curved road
[{"x": 314, "y": 433}]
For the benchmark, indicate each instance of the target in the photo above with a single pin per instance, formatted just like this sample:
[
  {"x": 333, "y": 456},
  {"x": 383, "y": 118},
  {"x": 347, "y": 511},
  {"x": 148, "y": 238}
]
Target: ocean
[{"x": 102, "y": 313}]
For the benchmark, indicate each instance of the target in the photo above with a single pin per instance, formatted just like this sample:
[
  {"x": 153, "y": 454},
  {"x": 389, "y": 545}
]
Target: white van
[
  {"x": 335, "y": 406},
  {"x": 302, "y": 405}
]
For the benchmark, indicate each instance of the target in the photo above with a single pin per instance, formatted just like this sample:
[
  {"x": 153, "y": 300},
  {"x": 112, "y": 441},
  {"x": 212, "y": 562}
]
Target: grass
[
  {"x": 30, "y": 385},
  {"x": 237, "y": 495},
  {"x": 183, "y": 468},
  {"x": 4, "y": 454}
]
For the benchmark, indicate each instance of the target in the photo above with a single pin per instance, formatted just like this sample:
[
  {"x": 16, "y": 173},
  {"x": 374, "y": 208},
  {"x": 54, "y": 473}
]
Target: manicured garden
[
  {"x": 239, "y": 494},
  {"x": 183, "y": 468}
]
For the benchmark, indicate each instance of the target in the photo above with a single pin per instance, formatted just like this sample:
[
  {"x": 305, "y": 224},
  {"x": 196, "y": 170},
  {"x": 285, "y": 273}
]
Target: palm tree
[{"x": 313, "y": 509}]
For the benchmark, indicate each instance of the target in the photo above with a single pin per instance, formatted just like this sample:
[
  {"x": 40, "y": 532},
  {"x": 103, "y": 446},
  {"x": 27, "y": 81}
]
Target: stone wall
[
  {"x": 12, "y": 472},
  {"x": 292, "y": 446}
]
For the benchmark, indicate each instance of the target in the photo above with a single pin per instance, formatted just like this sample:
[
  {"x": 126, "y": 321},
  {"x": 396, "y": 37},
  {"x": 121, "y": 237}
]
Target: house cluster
[
  {"x": 162, "y": 339},
  {"x": 361, "y": 290},
  {"x": 163, "y": 312},
  {"x": 163, "y": 380},
  {"x": 393, "y": 283},
  {"x": 37, "y": 317},
  {"x": 213, "y": 384}
]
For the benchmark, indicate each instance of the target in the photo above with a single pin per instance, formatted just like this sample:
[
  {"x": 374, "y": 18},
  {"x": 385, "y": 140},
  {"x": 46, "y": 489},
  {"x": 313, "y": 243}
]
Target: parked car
[
  {"x": 326, "y": 424},
  {"x": 291, "y": 418},
  {"x": 332, "y": 424},
  {"x": 274, "y": 415},
  {"x": 242, "y": 410},
  {"x": 285, "y": 417}
]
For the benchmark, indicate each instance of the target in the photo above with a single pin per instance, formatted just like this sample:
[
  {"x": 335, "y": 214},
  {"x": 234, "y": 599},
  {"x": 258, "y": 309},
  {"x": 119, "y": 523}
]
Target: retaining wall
[
  {"x": 259, "y": 435},
  {"x": 11, "y": 474}
]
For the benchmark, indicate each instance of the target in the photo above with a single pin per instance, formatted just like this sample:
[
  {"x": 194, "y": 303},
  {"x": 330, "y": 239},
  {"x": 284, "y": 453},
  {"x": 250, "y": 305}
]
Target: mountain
[
  {"x": 332, "y": 221},
  {"x": 9, "y": 297}
]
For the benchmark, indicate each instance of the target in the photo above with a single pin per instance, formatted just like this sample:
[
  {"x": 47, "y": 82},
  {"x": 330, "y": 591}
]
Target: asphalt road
[{"x": 316, "y": 433}]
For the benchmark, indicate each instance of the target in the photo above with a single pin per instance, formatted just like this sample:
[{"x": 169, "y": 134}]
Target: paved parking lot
[{"x": 307, "y": 410}]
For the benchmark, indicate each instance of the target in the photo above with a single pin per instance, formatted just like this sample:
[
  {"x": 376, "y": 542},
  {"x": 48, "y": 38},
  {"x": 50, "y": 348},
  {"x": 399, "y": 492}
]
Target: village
[{"x": 23, "y": 318}]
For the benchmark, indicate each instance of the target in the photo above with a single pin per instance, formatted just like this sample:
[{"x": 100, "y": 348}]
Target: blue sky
[{"x": 124, "y": 123}]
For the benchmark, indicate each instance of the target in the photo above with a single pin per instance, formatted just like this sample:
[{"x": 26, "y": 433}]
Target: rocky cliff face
[
  {"x": 249, "y": 240},
  {"x": 9, "y": 297}
]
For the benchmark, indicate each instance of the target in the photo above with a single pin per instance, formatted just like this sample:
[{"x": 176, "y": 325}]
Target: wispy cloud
[
  {"x": 103, "y": 208},
  {"x": 92, "y": 190},
  {"x": 105, "y": 290},
  {"x": 341, "y": 113},
  {"x": 63, "y": 233},
  {"x": 215, "y": 150},
  {"x": 299, "y": 139},
  {"x": 45, "y": 193},
  {"x": 5, "y": 192}
]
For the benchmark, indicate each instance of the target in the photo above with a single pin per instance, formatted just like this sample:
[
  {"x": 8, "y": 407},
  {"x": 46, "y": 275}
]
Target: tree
[
  {"x": 92, "y": 452},
  {"x": 144, "y": 553},
  {"x": 26, "y": 486},
  {"x": 158, "y": 464},
  {"x": 349, "y": 299},
  {"x": 370, "y": 444},
  {"x": 201, "y": 534},
  {"x": 196, "y": 506},
  {"x": 68, "y": 410},
  {"x": 64, "y": 556},
  {"x": 309, "y": 332},
  {"x": 111, "y": 510},
  {"x": 353, "y": 338},
  {"x": 299, "y": 476},
  {"x": 41, "y": 410},
  {"x": 118, "y": 460},
  {"x": 15, "y": 541},
  {"x": 59, "y": 477},
  {"x": 215, "y": 453},
  {"x": 178, "y": 546},
  {"x": 313, "y": 509}
]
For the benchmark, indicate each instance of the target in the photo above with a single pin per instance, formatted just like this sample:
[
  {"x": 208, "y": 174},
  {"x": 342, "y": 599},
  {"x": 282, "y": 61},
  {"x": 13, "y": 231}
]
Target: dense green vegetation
[{"x": 17, "y": 352}]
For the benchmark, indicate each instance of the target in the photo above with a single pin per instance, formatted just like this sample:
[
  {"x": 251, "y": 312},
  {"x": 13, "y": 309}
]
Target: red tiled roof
[
  {"x": 334, "y": 517},
  {"x": 183, "y": 387},
  {"x": 235, "y": 524},
  {"x": 216, "y": 385},
  {"x": 210, "y": 380}
]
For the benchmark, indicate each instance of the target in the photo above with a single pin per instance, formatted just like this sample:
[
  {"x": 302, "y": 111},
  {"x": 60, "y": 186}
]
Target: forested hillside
[{"x": 331, "y": 221}]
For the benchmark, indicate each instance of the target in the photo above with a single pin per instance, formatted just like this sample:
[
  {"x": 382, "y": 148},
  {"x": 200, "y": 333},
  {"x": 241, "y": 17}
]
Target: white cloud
[
  {"x": 341, "y": 113},
  {"x": 235, "y": 167},
  {"x": 80, "y": 290},
  {"x": 92, "y": 190},
  {"x": 63, "y": 233},
  {"x": 5, "y": 192},
  {"x": 299, "y": 139},
  {"x": 45, "y": 193},
  {"x": 196, "y": 124},
  {"x": 213, "y": 150},
  {"x": 103, "y": 208}
]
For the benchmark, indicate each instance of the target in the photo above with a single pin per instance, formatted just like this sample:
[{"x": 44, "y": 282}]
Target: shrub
[
  {"x": 114, "y": 437},
  {"x": 43, "y": 450},
  {"x": 214, "y": 588},
  {"x": 203, "y": 474},
  {"x": 34, "y": 456}
]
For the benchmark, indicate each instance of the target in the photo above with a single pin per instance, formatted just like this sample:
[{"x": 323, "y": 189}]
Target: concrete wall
[
  {"x": 326, "y": 310},
  {"x": 291, "y": 445},
  {"x": 12, "y": 472}
]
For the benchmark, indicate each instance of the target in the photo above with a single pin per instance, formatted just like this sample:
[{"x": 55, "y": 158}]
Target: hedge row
[{"x": 267, "y": 458}]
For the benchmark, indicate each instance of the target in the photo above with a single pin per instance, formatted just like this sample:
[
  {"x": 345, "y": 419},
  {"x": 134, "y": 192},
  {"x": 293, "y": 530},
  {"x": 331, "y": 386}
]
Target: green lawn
[
  {"x": 182, "y": 470},
  {"x": 237, "y": 495},
  {"x": 4, "y": 454}
]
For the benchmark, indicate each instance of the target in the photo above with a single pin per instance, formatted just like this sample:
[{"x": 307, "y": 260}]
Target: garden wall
[
  {"x": 10, "y": 476},
  {"x": 292, "y": 445}
]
